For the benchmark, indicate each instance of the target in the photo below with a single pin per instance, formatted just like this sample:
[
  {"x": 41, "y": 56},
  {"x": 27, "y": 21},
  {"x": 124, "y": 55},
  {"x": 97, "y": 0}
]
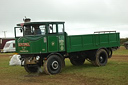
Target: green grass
[
  {"x": 114, "y": 73},
  {"x": 6, "y": 53}
]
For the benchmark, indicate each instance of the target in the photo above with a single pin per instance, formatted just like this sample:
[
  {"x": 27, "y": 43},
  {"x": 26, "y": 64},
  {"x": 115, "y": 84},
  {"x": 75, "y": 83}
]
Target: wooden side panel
[{"x": 92, "y": 41}]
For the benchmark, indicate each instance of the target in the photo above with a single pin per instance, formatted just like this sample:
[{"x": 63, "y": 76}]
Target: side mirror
[{"x": 21, "y": 30}]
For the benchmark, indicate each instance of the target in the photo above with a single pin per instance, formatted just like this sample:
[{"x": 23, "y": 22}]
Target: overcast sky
[{"x": 80, "y": 16}]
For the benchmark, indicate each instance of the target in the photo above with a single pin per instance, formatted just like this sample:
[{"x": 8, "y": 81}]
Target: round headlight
[{"x": 37, "y": 57}]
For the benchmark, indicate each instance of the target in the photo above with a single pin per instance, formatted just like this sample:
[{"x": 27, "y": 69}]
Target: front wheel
[
  {"x": 101, "y": 57},
  {"x": 53, "y": 65},
  {"x": 31, "y": 68}
]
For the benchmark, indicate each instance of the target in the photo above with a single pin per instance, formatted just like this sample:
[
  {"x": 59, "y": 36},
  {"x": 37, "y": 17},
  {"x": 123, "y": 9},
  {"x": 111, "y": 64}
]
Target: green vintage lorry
[{"x": 47, "y": 44}]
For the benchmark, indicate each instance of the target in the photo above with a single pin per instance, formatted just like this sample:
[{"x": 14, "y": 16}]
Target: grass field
[{"x": 114, "y": 73}]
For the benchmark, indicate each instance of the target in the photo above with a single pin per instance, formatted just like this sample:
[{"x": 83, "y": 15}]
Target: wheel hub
[
  {"x": 101, "y": 59},
  {"x": 55, "y": 65}
]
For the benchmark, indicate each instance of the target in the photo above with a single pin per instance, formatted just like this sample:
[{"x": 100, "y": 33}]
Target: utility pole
[{"x": 4, "y": 33}]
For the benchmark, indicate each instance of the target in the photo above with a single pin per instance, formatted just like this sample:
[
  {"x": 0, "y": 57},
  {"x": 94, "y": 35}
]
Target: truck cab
[
  {"x": 40, "y": 37},
  {"x": 36, "y": 42}
]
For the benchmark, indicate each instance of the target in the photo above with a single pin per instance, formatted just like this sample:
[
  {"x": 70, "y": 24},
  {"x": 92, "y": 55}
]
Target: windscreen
[{"x": 34, "y": 30}]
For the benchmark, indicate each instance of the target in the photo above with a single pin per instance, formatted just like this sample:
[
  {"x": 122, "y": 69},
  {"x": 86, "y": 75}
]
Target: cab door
[
  {"x": 52, "y": 43},
  {"x": 56, "y": 40},
  {"x": 52, "y": 38}
]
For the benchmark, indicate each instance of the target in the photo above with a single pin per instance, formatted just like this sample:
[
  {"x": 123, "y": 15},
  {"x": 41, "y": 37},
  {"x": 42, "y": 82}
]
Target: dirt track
[{"x": 120, "y": 57}]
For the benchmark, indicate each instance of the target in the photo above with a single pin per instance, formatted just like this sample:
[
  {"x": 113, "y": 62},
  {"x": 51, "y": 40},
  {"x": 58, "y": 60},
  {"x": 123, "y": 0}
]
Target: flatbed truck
[{"x": 47, "y": 44}]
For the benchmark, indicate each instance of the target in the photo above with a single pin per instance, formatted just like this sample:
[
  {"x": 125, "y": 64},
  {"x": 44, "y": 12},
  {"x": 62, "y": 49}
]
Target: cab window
[
  {"x": 42, "y": 28},
  {"x": 28, "y": 30},
  {"x": 60, "y": 28},
  {"x": 52, "y": 28},
  {"x": 34, "y": 30}
]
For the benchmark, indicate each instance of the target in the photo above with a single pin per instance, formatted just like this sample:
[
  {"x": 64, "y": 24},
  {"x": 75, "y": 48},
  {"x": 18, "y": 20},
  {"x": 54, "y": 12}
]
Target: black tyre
[
  {"x": 31, "y": 68},
  {"x": 91, "y": 56},
  {"x": 109, "y": 53},
  {"x": 101, "y": 58},
  {"x": 76, "y": 59},
  {"x": 53, "y": 65}
]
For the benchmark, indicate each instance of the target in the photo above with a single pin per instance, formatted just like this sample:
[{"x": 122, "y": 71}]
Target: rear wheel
[
  {"x": 53, "y": 65},
  {"x": 76, "y": 59},
  {"x": 101, "y": 58}
]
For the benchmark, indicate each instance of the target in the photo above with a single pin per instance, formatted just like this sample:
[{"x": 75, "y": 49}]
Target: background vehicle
[
  {"x": 126, "y": 45},
  {"x": 52, "y": 45},
  {"x": 9, "y": 46},
  {"x": 3, "y": 42}
]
